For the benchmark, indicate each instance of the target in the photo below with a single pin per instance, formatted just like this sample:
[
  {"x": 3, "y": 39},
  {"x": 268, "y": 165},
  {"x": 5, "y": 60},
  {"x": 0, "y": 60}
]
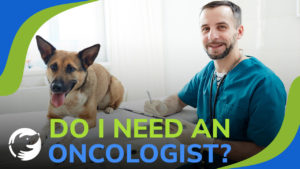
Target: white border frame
[{"x": 298, "y": 8}]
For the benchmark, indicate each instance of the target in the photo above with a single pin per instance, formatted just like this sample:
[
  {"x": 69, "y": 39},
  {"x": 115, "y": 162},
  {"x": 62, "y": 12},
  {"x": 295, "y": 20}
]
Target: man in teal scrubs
[{"x": 248, "y": 93}]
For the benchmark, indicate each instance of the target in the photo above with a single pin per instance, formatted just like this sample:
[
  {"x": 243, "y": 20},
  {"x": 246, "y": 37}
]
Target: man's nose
[{"x": 213, "y": 34}]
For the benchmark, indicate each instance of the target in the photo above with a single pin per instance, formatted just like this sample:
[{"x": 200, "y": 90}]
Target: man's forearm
[{"x": 240, "y": 150}]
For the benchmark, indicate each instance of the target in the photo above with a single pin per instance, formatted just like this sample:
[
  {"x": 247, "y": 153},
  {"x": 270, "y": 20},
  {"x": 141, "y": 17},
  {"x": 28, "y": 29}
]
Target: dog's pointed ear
[
  {"x": 45, "y": 48},
  {"x": 88, "y": 55}
]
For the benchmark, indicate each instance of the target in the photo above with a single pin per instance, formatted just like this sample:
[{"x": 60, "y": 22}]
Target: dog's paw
[
  {"x": 44, "y": 138},
  {"x": 108, "y": 110},
  {"x": 57, "y": 153}
]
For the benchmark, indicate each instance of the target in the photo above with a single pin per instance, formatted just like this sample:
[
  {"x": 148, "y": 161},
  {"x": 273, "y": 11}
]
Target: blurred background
[{"x": 156, "y": 45}]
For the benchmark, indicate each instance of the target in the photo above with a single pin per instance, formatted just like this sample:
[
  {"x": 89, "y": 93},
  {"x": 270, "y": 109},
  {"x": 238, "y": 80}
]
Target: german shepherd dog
[{"x": 78, "y": 87}]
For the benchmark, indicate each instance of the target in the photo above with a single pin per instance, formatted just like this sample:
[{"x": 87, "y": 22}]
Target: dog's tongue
[{"x": 58, "y": 99}]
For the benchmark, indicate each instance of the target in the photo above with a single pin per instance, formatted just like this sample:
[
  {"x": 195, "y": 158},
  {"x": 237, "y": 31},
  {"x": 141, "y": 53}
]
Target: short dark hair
[{"x": 236, "y": 10}]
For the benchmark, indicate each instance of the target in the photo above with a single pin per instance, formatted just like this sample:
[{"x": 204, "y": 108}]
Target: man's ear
[
  {"x": 87, "y": 56},
  {"x": 240, "y": 32},
  {"x": 45, "y": 48}
]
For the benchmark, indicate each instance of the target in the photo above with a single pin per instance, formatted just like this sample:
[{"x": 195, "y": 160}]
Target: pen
[{"x": 148, "y": 93}]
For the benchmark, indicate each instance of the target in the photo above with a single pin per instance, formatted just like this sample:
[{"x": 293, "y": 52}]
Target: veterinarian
[{"x": 232, "y": 86}]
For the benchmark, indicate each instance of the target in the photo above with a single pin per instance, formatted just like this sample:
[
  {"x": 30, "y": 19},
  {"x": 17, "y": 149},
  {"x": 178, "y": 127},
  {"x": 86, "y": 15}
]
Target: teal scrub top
[{"x": 252, "y": 97}]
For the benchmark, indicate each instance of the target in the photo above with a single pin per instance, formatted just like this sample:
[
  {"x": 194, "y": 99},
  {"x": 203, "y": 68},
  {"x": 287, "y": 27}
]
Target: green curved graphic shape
[
  {"x": 286, "y": 133},
  {"x": 11, "y": 78}
]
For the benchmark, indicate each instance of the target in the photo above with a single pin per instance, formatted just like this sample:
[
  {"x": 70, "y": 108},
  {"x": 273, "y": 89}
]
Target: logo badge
[{"x": 24, "y": 144}]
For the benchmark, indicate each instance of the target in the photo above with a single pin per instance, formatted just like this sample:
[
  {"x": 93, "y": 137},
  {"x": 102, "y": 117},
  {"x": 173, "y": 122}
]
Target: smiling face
[{"x": 219, "y": 31}]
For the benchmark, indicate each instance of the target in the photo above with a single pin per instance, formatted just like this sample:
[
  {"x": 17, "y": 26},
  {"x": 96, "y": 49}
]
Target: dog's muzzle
[
  {"x": 57, "y": 86},
  {"x": 60, "y": 90}
]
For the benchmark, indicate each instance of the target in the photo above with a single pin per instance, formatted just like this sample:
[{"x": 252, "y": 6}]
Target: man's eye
[
  {"x": 205, "y": 29},
  {"x": 70, "y": 69},
  {"x": 54, "y": 67},
  {"x": 222, "y": 27}
]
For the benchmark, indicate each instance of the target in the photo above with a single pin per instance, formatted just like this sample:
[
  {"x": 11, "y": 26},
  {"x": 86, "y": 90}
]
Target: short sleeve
[
  {"x": 267, "y": 107},
  {"x": 189, "y": 92}
]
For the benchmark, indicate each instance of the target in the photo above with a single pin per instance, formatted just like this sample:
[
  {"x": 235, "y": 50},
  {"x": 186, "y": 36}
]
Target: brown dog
[{"x": 77, "y": 86}]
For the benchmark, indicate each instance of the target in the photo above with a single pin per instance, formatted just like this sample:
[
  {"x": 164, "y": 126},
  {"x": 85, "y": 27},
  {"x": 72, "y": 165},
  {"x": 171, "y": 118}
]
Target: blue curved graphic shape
[
  {"x": 287, "y": 159},
  {"x": 13, "y": 13}
]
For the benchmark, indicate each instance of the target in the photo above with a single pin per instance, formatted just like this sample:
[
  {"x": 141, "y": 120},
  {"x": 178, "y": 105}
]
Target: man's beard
[
  {"x": 226, "y": 51},
  {"x": 222, "y": 55}
]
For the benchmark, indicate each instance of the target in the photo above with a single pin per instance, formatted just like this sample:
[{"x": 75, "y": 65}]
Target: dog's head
[{"x": 66, "y": 71}]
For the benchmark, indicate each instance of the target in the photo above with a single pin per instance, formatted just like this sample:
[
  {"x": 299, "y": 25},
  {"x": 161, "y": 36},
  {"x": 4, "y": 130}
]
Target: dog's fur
[{"x": 78, "y": 87}]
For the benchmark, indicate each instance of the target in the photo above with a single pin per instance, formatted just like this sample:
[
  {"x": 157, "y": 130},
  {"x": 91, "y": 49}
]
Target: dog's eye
[
  {"x": 53, "y": 67},
  {"x": 70, "y": 69}
]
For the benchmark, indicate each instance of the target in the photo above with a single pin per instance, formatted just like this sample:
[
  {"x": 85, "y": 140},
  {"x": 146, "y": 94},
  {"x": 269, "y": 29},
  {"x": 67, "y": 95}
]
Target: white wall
[
  {"x": 32, "y": 95},
  {"x": 272, "y": 34},
  {"x": 184, "y": 54},
  {"x": 134, "y": 41}
]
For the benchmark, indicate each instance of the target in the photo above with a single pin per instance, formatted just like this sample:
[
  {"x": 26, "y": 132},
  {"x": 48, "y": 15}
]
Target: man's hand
[
  {"x": 187, "y": 131},
  {"x": 156, "y": 107},
  {"x": 168, "y": 106}
]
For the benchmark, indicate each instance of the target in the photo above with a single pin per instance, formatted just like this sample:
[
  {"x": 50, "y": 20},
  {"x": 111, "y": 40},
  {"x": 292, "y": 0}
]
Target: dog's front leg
[
  {"x": 90, "y": 118},
  {"x": 45, "y": 131},
  {"x": 66, "y": 141}
]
